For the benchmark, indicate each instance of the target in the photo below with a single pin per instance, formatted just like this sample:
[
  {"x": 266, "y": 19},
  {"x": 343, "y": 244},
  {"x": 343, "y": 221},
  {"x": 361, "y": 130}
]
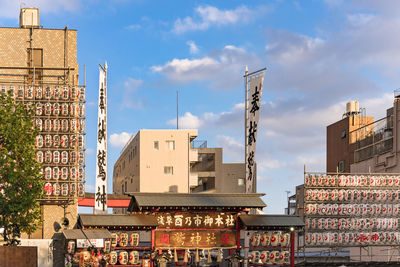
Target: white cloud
[
  {"x": 232, "y": 148},
  {"x": 209, "y": 16},
  {"x": 187, "y": 121},
  {"x": 133, "y": 27},
  {"x": 193, "y": 48},
  {"x": 130, "y": 100},
  {"x": 119, "y": 140},
  {"x": 10, "y": 9},
  {"x": 222, "y": 68}
]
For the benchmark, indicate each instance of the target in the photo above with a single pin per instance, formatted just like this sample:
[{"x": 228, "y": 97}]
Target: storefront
[
  {"x": 85, "y": 248},
  {"x": 272, "y": 239},
  {"x": 195, "y": 229},
  {"x": 131, "y": 236}
]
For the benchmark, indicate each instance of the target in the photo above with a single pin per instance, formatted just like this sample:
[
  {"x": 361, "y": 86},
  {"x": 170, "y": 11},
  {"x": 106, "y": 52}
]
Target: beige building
[
  {"x": 156, "y": 161},
  {"x": 40, "y": 67},
  {"x": 169, "y": 161}
]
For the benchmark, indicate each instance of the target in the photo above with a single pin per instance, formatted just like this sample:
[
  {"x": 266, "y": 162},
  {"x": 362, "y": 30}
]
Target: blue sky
[{"x": 319, "y": 55}]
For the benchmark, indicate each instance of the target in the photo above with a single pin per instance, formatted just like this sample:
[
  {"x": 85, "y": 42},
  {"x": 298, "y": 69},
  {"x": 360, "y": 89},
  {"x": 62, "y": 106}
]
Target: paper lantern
[
  {"x": 134, "y": 240},
  {"x": 56, "y": 189},
  {"x": 264, "y": 257},
  {"x": 284, "y": 240},
  {"x": 64, "y": 157},
  {"x": 38, "y": 109},
  {"x": 39, "y": 156},
  {"x": 255, "y": 239},
  {"x": 56, "y": 173},
  {"x": 265, "y": 237},
  {"x": 56, "y": 156},
  {"x": 134, "y": 257},
  {"x": 275, "y": 237},
  {"x": 65, "y": 92},
  {"x": 255, "y": 257},
  {"x": 48, "y": 140},
  {"x": 81, "y": 189},
  {"x": 38, "y": 124},
  {"x": 21, "y": 92},
  {"x": 64, "y": 173},
  {"x": 39, "y": 141},
  {"x": 81, "y": 110},
  {"x": 71, "y": 247},
  {"x": 81, "y": 93},
  {"x": 113, "y": 259},
  {"x": 74, "y": 93},
  {"x": 64, "y": 140},
  {"x": 38, "y": 93},
  {"x": 81, "y": 141},
  {"x": 64, "y": 125},
  {"x": 47, "y": 109},
  {"x": 72, "y": 189},
  {"x": 123, "y": 239},
  {"x": 64, "y": 189}
]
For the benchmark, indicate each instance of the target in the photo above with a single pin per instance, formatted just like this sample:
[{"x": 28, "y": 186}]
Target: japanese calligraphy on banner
[
  {"x": 101, "y": 166},
  {"x": 197, "y": 221},
  {"x": 195, "y": 239},
  {"x": 253, "y": 114}
]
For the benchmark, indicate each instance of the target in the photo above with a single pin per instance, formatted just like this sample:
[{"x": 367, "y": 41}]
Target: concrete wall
[
  {"x": 59, "y": 50},
  {"x": 229, "y": 182},
  {"x": 339, "y": 148}
]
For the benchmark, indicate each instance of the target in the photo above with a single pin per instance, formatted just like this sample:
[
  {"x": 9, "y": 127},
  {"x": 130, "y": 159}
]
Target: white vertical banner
[
  {"x": 101, "y": 165},
  {"x": 255, "y": 84}
]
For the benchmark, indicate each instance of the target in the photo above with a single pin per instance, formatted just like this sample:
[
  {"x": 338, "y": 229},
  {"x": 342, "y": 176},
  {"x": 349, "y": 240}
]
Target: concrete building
[
  {"x": 341, "y": 138},
  {"x": 40, "y": 67},
  {"x": 170, "y": 161},
  {"x": 368, "y": 145},
  {"x": 156, "y": 161}
]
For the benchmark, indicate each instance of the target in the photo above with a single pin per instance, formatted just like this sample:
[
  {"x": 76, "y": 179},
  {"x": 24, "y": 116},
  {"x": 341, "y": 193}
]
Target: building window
[
  {"x": 342, "y": 166},
  {"x": 168, "y": 170},
  {"x": 156, "y": 145},
  {"x": 171, "y": 145},
  {"x": 343, "y": 135},
  {"x": 126, "y": 186},
  {"x": 122, "y": 189},
  {"x": 240, "y": 182}
]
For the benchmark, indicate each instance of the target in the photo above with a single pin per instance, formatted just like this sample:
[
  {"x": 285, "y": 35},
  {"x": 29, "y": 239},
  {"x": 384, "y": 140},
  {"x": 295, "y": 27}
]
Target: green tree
[{"x": 21, "y": 183}]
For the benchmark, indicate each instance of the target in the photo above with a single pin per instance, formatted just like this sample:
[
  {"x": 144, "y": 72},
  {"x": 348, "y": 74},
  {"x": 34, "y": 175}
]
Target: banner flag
[
  {"x": 101, "y": 166},
  {"x": 255, "y": 84}
]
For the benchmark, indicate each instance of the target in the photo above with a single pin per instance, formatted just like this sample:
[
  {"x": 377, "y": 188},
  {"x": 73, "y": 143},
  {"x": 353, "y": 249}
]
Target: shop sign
[
  {"x": 84, "y": 243},
  {"x": 197, "y": 221},
  {"x": 195, "y": 239}
]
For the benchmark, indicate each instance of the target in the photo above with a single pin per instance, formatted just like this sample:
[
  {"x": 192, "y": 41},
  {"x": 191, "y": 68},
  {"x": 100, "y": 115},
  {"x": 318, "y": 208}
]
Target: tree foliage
[{"x": 21, "y": 181}]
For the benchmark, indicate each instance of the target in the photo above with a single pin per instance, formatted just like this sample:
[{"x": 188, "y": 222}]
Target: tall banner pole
[
  {"x": 253, "y": 89},
  {"x": 246, "y": 233},
  {"x": 101, "y": 166}
]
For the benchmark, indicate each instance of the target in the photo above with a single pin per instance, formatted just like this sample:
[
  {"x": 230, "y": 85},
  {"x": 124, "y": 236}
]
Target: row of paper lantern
[
  {"x": 273, "y": 239},
  {"x": 64, "y": 173},
  {"x": 124, "y": 239},
  {"x": 60, "y": 157},
  {"x": 64, "y": 189},
  {"x": 60, "y": 125},
  {"x": 270, "y": 257},
  {"x": 64, "y": 141},
  {"x": 352, "y": 224},
  {"x": 48, "y": 92},
  {"x": 351, "y": 195},
  {"x": 60, "y": 109},
  {"x": 351, "y": 180},
  {"x": 123, "y": 257},
  {"x": 352, "y": 209},
  {"x": 352, "y": 238}
]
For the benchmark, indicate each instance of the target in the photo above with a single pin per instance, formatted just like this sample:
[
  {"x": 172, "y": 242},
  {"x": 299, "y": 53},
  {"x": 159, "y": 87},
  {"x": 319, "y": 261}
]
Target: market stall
[
  {"x": 195, "y": 228},
  {"x": 86, "y": 248},
  {"x": 272, "y": 238},
  {"x": 131, "y": 236}
]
